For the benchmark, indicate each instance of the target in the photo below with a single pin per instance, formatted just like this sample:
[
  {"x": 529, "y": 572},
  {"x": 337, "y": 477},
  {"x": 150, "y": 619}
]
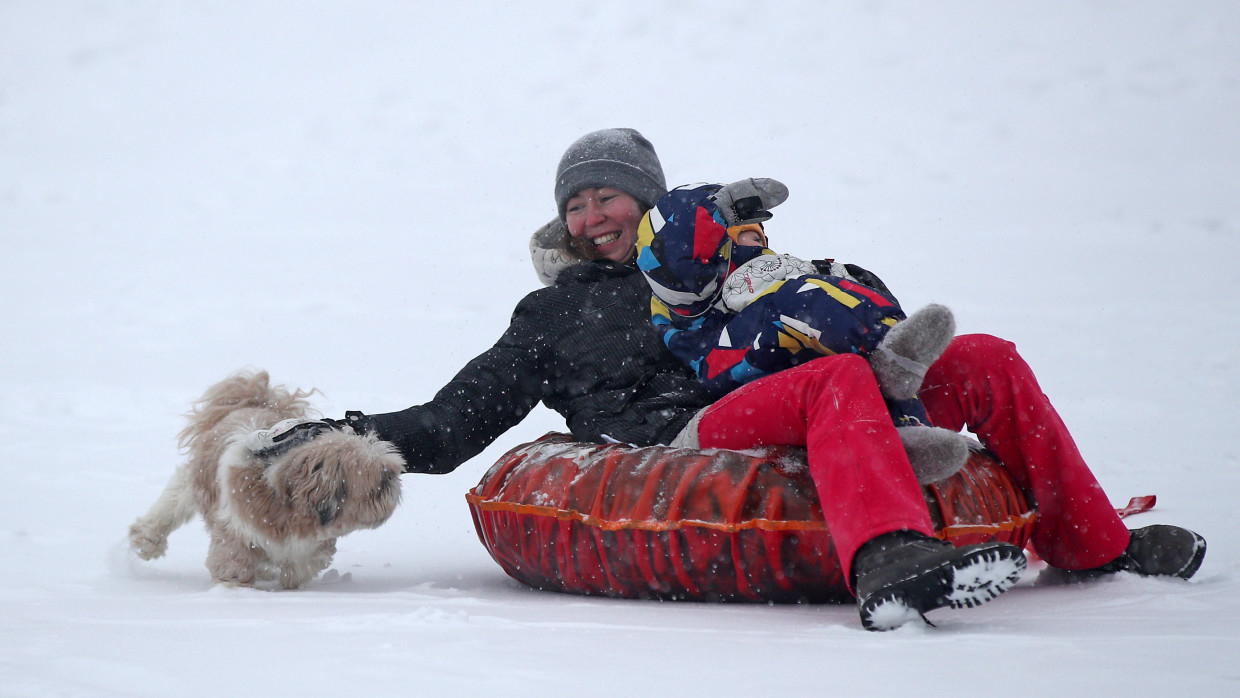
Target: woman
[{"x": 585, "y": 347}]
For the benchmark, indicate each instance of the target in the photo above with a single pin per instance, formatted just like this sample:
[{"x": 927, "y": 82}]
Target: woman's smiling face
[{"x": 603, "y": 223}]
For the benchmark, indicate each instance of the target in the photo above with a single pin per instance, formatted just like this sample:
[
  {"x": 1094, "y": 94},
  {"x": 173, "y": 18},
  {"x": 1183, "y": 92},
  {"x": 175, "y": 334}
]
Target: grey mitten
[
  {"x": 935, "y": 453},
  {"x": 901, "y": 360},
  {"x": 749, "y": 200}
]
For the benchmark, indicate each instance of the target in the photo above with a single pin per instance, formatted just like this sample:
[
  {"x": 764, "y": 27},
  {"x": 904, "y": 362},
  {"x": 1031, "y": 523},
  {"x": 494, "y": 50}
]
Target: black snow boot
[
  {"x": 901, "y": 360},
  {"x": 901, "y": 576},
  {"x": 1161, "y": 551}
]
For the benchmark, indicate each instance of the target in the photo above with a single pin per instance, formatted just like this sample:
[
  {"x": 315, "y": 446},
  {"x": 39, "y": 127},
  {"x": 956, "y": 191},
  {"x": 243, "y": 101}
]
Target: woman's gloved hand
[{"x": 283, "y": 436}]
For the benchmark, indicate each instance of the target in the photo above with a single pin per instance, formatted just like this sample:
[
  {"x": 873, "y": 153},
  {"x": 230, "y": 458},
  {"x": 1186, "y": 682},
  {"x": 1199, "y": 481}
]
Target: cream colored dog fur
[{"x": 267, "y": 517}]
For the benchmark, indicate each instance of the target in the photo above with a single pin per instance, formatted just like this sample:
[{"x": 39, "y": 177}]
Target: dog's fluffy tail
[
  {"x": 148, "y": 536},
  {"x": 240, "y": 390}
]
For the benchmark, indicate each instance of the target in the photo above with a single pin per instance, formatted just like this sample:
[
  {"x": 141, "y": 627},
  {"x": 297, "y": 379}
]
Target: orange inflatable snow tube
[{"x": 666, "y": 523}]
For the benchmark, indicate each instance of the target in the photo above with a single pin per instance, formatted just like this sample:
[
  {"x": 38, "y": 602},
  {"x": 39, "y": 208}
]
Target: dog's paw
[{"x": 148, "y": 544}]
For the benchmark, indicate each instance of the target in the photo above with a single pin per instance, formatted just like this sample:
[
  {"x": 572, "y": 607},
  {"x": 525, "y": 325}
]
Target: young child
[{"x": 734, "y": 310}]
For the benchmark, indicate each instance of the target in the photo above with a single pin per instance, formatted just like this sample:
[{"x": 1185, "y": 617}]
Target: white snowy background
[{"x": 341, "y": 193}]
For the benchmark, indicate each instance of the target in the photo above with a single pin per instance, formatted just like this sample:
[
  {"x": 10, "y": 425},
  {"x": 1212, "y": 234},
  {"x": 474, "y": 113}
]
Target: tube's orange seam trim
[{"x": 761, "y": 524}]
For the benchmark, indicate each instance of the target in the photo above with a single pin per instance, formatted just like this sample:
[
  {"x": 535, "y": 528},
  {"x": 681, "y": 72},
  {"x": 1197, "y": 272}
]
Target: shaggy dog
[{"x": 266, "y": 514}]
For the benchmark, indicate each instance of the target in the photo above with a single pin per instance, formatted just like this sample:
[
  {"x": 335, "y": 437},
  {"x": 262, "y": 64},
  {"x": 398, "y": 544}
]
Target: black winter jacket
[{"x": 585, "y": 347}]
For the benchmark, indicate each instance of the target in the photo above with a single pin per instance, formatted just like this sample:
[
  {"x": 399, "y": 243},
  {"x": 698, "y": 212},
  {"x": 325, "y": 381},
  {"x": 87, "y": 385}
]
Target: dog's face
[
  {"x": 336, "y": 483},
  {"x": 348, "y": 481}
]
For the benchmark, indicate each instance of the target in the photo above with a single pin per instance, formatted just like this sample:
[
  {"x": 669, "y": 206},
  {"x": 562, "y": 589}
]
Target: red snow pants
[
  {"x": 831, "y": 406},
  {"x": 980, "y": 382},
  {"x": 866, "y": 487}
]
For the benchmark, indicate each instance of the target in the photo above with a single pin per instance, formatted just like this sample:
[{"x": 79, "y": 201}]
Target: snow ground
[{"x": 341, "y": 193}]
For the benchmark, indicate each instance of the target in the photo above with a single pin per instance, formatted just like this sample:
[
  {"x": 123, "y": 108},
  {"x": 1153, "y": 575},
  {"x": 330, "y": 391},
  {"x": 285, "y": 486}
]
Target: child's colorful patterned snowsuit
[{"x": 684, "y": 250}]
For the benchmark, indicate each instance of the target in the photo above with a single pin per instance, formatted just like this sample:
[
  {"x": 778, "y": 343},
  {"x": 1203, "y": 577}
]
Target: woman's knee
[
  {"x": 985, "y": 347},
  {"x": 970, "y": 362}
]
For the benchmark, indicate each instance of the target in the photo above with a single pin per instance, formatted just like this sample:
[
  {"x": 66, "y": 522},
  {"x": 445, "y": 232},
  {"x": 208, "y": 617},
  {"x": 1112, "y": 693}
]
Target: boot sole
[
  {"x": 968, "y": 581},
  {"x": 1199, "y": 556}
]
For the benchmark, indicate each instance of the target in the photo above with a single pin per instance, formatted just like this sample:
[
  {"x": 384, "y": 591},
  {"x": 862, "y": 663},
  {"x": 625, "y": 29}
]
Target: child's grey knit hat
[{"x": 613, "y": 157}]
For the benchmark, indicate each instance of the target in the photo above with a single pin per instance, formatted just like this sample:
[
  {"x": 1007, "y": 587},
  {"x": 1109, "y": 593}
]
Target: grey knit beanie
[{"x": 614, "y": 157}]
